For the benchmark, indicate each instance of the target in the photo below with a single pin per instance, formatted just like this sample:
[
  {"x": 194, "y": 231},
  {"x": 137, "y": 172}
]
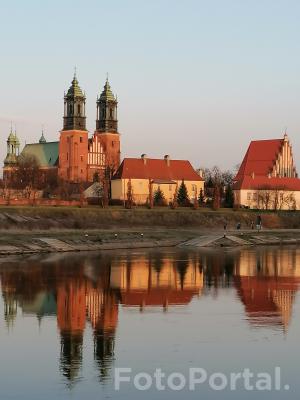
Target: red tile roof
[
  {"x": 260, "y": 157},
  {"x": 263, "y": 182},
  {"x": 158, "y": 169}
]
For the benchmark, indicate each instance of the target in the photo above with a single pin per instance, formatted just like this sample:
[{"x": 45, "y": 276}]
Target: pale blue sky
[{"x": 195, "y": 79}]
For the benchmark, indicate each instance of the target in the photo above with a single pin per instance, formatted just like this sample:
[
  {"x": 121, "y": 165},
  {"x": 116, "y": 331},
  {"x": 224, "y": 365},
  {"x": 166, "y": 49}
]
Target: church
[
  {"x": 267, "y": 178},
  {"x": 76, "y": 157}
]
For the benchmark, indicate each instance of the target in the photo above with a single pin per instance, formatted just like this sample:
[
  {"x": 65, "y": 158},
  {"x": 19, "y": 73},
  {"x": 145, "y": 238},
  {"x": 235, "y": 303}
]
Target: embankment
[{"x": 41, "y": 218}]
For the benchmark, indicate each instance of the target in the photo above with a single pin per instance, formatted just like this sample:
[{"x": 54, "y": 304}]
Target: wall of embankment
[{"x": 97, "y": 218}]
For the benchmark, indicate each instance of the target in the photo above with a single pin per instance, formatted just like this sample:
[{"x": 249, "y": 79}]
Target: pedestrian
[
  {"x": 238, "y": 226},
  {"x": 252, "y": 225},
  {"x": 258, "y": 223}
]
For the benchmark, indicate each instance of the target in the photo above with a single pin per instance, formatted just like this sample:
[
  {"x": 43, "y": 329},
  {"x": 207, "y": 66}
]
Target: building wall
[
  {"x": 140, "y": 188},
  {"x": 73, "y": 155},
  {"x": 110, "y": 143},
  {"x": 257, "y": 199}
]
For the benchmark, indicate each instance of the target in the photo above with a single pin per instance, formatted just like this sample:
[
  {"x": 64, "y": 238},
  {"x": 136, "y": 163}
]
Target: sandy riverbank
[{"x": 46, "y": 241}]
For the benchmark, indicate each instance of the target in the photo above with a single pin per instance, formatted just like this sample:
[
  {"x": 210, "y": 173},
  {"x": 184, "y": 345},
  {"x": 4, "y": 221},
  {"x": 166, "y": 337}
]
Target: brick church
[{"x": 76, "y": 157}]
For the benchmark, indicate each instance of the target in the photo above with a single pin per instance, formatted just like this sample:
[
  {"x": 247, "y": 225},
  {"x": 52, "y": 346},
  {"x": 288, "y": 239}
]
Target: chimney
[
  {"x": 200, "y": 172},
  {"x": 167, "y": 159},
  {"x": 144, "y": 158}
]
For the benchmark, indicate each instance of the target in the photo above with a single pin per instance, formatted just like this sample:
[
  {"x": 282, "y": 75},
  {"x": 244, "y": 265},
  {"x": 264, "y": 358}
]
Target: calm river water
[{"x": 69, "y": 321}]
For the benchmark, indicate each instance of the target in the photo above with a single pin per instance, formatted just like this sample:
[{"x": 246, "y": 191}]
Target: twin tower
[{"x": 80, "y": 158}]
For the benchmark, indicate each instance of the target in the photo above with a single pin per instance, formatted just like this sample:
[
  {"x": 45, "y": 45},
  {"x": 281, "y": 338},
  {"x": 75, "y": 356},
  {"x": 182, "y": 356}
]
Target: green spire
[
  {"x": 75, "y": 90},
  {"x": 107, "y": 94},
  {"x": 42, "y": 138},
  {"x": 13, "y": 147}
]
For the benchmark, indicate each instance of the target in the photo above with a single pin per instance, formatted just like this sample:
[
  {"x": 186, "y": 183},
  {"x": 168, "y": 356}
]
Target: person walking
[{"x": 258, "y": 223}]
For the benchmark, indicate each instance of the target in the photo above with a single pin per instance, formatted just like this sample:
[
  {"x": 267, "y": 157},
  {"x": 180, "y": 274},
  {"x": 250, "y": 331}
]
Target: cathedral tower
[
  {"x": 13, "y": 151},
  {"x": 73, "y": 144},
  {"x": 107, "y": 127}
]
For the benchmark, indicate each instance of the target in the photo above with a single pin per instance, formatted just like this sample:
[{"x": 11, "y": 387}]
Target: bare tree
[
  {"x": 129, "y": 200},
  {"x": 27, "y": 176},
  {"x": 275, "y": 198}
]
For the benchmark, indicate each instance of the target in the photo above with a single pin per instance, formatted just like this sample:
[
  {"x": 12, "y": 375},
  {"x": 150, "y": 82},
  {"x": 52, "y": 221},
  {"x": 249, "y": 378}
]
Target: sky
[{"x": 195, "y": 79}]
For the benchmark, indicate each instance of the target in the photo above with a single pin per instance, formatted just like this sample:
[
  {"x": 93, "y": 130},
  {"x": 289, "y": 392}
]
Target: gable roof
[
  {"x": 157, "y": 169},
  {"x": 45, "y": 153},
  {"x": 260, "y": 157}
]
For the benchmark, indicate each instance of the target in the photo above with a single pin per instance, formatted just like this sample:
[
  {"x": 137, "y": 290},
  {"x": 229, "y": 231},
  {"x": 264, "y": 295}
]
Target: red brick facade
[{"x": 73, "y": 156}]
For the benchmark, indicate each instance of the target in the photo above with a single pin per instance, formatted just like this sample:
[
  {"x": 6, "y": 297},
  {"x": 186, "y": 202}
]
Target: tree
[
  {"x": 96, "y": 177},
  {"x": 159, "y": 197},
  {"x": 275, "y": 198},
  {"x": 216, "y": 198},
  {"x": 228, "y": 200},
  {"x": 196, "y": 203},
  {"x": 150, "y": 199},
  {"x": 183, "y": 197},
  {"x": 27, "y": 174},
  {"x": 129, "y": 200},
  {"x": 174, "y": 203},
  {"x": 201, "y": 197}
]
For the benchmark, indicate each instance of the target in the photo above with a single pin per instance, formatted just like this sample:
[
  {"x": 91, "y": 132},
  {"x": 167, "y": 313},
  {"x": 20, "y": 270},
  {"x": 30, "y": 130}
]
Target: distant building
[
  {"x": 165, "y": 174},
  {"x": 267, "y": 177},
  {"x": 75, "y": 157}
]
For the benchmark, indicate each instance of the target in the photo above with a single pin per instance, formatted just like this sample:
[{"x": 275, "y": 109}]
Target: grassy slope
[{"x": 113, "y": 217}]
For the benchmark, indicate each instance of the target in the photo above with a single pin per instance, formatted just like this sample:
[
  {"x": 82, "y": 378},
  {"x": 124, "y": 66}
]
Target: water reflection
[{"x": 89, "y": 290}]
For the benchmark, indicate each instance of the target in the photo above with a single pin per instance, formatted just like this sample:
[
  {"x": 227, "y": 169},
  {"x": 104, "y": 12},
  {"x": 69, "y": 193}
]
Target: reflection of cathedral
[{"x": 89, "y": 291}]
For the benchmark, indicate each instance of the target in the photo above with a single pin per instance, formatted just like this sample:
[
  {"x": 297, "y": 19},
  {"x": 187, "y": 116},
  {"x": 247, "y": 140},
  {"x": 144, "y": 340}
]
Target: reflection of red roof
[
  {"x": 260, "y": 157},
  {"x": 137, "y": 168},
  {"x": 263, "y": 182},
  {"x": 157, "y": 297},
  {"x": 257, "y": 295}
]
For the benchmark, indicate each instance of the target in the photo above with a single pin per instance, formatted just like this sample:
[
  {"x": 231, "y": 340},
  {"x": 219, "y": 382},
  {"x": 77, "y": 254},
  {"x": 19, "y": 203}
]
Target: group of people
[{"x": 257, "y": 224}]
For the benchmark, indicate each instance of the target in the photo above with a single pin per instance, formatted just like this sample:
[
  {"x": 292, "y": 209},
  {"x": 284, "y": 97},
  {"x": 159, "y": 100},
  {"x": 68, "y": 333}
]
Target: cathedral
[{"x": 76, "y": 157}]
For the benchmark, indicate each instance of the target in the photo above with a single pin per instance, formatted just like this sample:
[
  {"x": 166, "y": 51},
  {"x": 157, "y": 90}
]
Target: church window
[
  {"x": 81, "y": 139},
  {"x": 112, "y": 144},
  {"x": 81, "y": 158},
  {"x": 81, "y": 171}
]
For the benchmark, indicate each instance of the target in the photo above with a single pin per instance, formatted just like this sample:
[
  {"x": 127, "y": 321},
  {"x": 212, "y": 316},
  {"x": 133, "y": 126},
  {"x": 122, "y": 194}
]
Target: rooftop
[
  {"x": 165, "y": 170},
  {"x": 260, "y": 157},
  {"x": 45, "y": 153}
]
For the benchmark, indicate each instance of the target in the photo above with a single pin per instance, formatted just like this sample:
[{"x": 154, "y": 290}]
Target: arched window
[{"x": 78, "y": 109}]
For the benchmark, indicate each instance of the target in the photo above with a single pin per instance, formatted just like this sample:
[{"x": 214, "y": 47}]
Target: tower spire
[
  {"x": 74, "y": 101},
  {"x": 107, "y": 110},
  {"x": 42, "y": 138}
]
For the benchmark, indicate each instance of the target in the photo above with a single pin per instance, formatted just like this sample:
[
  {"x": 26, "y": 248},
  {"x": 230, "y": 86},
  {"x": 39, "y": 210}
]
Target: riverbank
[
  {"x": 44, "y": 241},
  {"x": 75, "y": 218}
]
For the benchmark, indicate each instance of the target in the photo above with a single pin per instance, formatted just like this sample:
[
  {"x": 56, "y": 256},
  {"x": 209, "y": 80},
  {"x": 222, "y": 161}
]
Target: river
[{"x": 69, "y": 322}]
